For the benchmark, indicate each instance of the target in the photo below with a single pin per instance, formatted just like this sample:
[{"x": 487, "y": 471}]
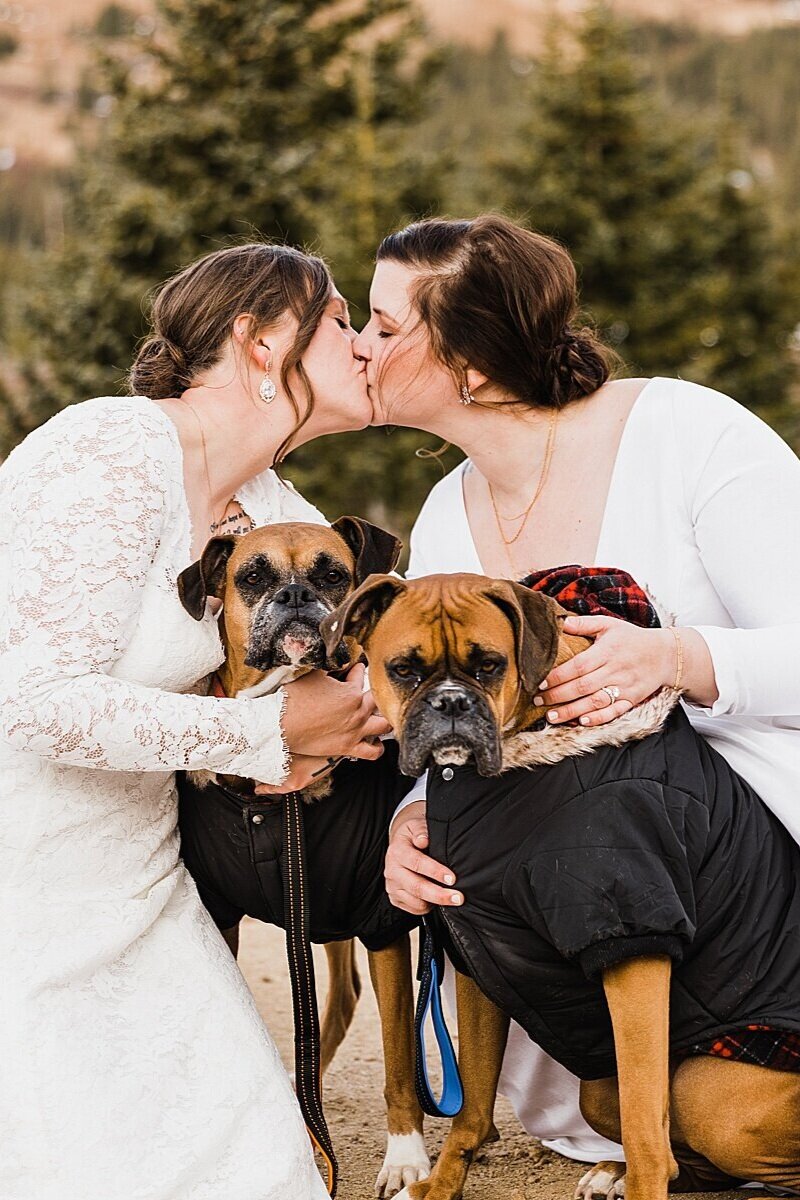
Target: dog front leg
[
  {"x": 482, "y": 1036},
  {"x": 406, "y": 1158},
  {"x": 344, "y": 989},
  {"x": 637, "y": 992}
]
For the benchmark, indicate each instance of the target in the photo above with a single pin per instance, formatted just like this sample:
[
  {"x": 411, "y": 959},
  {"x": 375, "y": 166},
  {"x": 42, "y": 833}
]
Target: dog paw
[
  {"x": 406, "y": 1162},
  {"x": 607, "y": 1179}
]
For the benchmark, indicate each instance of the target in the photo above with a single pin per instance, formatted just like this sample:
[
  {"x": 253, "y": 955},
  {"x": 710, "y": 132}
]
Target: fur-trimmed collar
[{"x": 533, "y": 747}]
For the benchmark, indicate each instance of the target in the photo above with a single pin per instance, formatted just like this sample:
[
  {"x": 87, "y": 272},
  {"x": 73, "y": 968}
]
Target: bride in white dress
[{"x": 135, "y": 1065}]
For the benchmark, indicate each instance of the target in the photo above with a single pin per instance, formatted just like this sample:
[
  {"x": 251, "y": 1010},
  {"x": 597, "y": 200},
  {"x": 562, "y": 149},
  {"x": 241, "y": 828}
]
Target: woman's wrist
[{"x": 690, "y": 666}]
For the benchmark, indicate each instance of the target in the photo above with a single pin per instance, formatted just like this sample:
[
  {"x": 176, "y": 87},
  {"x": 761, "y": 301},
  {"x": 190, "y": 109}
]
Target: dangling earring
[
  {"x": 267, "y": 390},
  {"x": 466, "y": 395}
]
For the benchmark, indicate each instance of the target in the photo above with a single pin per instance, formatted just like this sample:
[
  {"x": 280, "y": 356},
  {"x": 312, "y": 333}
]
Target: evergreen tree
[
  {"x": 676, "y": 262},
  {"x": 232, "y": 118}
]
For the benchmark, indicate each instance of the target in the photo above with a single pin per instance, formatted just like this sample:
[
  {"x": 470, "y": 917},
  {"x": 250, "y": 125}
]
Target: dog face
[
  {"x": 454, "y": 661},
  {"x": 278, "y": 583}
]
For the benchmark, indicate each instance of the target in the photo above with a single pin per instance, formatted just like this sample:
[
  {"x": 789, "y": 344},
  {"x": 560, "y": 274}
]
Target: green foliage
[
  {"x": 114, "y": 21},
  {"x": 755, "y": 79},
  {"x": 286, "y": 119},
  {"x": 679, "y": 264}
]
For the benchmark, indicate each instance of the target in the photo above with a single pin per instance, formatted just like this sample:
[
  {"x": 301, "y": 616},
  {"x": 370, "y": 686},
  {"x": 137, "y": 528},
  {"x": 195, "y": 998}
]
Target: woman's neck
[
  {"x": 226, "y": 440},
  {"x": 507, "y": 446}
]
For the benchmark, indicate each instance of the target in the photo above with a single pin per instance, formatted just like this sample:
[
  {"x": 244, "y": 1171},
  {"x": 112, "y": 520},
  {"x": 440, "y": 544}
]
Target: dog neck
[{"x": 534, "y": 747}]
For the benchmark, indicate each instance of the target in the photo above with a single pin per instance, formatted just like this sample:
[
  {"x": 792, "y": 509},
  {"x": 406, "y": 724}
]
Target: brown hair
[
  {"x": 192, "y": 316},
  {"x": 501, "y": 299}
]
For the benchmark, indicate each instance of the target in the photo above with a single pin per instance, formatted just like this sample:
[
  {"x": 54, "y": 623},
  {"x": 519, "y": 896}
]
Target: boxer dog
[
  {"x": 277, "y": 583},
  {"x": 455, "y": 661}
]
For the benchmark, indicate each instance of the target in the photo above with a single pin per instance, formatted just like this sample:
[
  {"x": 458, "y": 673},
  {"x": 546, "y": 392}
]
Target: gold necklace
[
  {"x": 548, "y": 454},
  {"x": 241, "y": 515}
]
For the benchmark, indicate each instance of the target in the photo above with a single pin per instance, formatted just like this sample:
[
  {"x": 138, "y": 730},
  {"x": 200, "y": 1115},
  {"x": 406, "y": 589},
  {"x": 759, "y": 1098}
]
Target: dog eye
[
  {"x": 489, "y": 666},
  {"x": 334, "y": 577},
  {"x": 403, "y": 671},
  {"x": 253, "y": 578}
]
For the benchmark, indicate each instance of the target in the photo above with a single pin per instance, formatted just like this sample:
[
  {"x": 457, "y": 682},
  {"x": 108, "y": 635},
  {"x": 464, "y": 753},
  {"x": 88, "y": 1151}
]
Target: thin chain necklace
[
  {"x": 548, "y": 454},
  {"x": 234, "y": 517}
]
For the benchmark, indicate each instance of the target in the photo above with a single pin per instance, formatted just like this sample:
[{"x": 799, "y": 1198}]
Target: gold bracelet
[{"x": 679, "y": 654}]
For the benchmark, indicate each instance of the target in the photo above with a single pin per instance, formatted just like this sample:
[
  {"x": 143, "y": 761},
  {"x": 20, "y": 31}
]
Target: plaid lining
[
  {"x": 759, "y": 1045},
  {"x": 596, "y": 592}
]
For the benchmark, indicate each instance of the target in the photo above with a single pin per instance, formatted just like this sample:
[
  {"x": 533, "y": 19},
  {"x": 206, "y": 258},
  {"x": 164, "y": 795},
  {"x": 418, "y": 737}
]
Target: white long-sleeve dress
[
  {"x": 703, "y": 511},
  {"x": 133, "y": 1062}
]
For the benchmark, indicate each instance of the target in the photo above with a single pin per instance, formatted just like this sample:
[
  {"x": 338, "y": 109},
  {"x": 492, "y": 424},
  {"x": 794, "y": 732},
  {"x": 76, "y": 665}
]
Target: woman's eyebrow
[
  {"x": 342, "y": 306},
  {"x": 379, "y": 312}
]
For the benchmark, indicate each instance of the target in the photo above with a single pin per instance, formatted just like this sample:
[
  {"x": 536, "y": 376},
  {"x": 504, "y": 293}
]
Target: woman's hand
[
  {"x": 326, "y": 717},
  {"x": 304, "y": 769},
  {"x": 410, "y": 874},
  {"x": 635, "y": 660}
]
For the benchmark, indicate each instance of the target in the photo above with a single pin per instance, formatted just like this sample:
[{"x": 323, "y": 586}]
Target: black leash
[
  {"x": 429, "y": 973},
  {"x": 304, "y": 994}
]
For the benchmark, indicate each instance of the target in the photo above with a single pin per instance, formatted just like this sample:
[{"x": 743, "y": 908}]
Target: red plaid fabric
[
  {"x": 596, "y": 592},
  {"x": 759, "y": 1045}
]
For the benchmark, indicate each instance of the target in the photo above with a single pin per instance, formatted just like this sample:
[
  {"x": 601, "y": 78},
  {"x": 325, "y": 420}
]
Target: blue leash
[{"x": 431, "y": 964}]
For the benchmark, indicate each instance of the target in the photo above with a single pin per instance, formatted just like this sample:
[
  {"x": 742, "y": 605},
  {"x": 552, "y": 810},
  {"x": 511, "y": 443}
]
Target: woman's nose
[{"x": 361, "y": 347}]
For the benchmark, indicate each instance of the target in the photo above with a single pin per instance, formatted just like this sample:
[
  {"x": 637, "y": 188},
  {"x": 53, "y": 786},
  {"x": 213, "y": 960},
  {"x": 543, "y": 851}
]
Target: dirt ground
[{"x": 515, "y": 1168}]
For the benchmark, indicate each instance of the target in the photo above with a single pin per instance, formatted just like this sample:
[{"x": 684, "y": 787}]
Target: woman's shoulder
[
  {"x": 704, "y": 426},
  {"x": 107, "y": 435},
  {"x": 106, "y": 418},
  {"x": 699, "y": 412}
]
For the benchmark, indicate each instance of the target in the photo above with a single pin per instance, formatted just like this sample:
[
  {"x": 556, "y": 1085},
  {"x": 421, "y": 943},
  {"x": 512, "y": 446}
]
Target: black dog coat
[
  {"x": 233, "y": 848},
  {"x": 652, "y": 847}
]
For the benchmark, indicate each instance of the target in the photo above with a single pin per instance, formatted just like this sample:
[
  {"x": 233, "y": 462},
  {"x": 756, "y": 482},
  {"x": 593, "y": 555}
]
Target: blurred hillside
[{"x": 46, "y": 49}]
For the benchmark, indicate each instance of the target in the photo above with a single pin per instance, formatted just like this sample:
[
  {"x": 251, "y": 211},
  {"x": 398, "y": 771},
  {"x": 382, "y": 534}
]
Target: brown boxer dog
[
  {"x": 454, "y": 663},
  {"x": 277, "y": 584}
]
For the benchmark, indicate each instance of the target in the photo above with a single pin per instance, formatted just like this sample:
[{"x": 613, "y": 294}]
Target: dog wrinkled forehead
[{"x": 294, "y": 546}]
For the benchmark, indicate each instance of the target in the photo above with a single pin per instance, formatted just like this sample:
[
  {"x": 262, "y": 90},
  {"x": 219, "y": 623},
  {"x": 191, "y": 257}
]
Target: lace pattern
[{"x": 135, "y": 1064}]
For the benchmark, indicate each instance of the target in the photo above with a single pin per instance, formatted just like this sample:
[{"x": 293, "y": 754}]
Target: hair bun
[{"x": 160, "y": 369}]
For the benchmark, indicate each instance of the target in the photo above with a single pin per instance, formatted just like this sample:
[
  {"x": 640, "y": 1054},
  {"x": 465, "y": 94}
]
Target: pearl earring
[{"x": 466, "y": 395}]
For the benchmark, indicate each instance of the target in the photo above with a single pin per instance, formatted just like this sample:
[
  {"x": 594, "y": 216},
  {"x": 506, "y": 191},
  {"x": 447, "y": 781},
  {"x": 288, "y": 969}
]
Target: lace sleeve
[{"x": 86, "y": 499}]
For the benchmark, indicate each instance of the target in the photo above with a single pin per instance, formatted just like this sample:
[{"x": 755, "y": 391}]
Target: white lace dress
[{"x": 133, "y": 1062}]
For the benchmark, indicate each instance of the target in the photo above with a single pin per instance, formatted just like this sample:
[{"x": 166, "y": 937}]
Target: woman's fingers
[
  {"x": 414, "y": 880},
  {"x": 421, "y": 892},
  {"x": 370, "y": 751},
  {"x": 578, "y": 688},
  {"x": 597, "y": 709},
  {"x": 376, "y": 727},
  {"x": 577, "y": 668}
]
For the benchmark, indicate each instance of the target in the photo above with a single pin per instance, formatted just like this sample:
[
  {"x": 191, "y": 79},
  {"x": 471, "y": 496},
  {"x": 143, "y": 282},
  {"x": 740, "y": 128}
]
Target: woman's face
[
  {"x": 406, "y": 384},
  {"x": 337, "y": 379}
]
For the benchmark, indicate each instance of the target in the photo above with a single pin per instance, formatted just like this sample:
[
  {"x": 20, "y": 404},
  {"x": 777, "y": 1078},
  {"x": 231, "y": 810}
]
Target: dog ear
[
  {"x": 376, "y": 552},
  {"x": 206, "y": 577},
  {"x": 535, "y": 620},
  {"x": 358, "y": 615}
]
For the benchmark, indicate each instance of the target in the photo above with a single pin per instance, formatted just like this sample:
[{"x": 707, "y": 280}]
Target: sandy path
[{"x": 516, "y": 1168}]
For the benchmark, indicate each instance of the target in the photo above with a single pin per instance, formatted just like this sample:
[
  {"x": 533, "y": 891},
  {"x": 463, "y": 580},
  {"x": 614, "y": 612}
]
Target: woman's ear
[
  {"x": 475, "y": 379},
  {"x": 252, "y": 341}
]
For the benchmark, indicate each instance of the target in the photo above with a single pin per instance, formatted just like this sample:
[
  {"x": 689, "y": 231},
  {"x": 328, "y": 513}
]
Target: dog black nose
[
  {"x": 451, "y": 701},
  {"x": 294, "y": 595}
]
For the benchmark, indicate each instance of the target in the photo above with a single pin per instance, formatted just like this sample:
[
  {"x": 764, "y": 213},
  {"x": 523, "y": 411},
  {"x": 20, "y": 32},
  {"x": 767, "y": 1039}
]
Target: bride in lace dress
[{"x": 135, "y": 1065}]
